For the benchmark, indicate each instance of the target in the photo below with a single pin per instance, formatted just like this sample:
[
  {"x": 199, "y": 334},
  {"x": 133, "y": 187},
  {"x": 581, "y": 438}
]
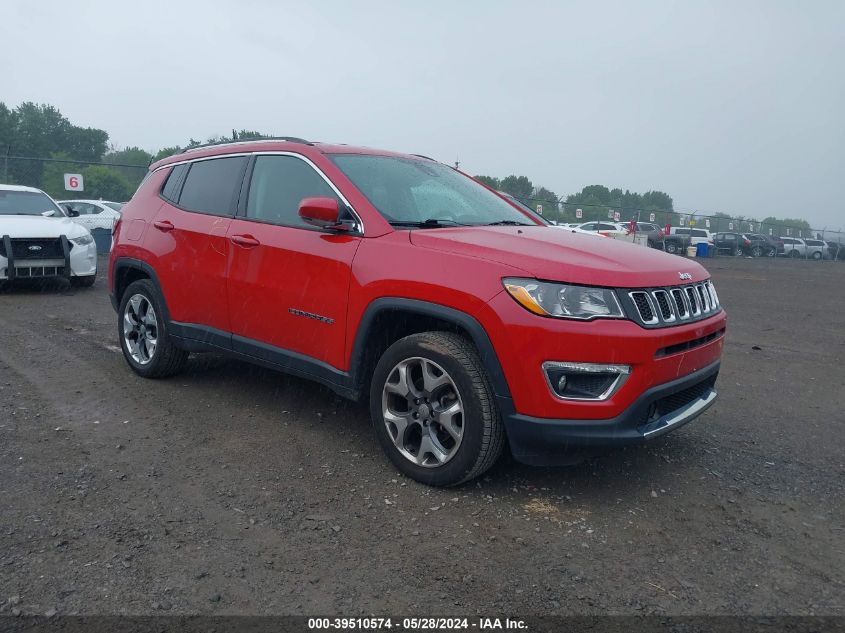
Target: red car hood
[{"x": 557, "y": 255}]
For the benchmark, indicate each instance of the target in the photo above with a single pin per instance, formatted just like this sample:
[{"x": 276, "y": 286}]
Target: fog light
[
  {"x": 584, "y": 381},
  {"x": 561, "y": 384}
]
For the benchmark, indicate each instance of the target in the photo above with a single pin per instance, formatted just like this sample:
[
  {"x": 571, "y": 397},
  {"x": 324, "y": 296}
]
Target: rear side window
[
  {"x": 211, "y": 186},
  {"x": 681, "y": 231},
  {"x": 278, "y": 185},
  {"x": 170, "y": 191},
  {"x": 698, "y": 233}
]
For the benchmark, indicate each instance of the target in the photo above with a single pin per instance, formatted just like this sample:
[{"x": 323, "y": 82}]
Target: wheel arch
[
  {"x": 128, "y": 270},
  {"x": 388, "y": 319}
]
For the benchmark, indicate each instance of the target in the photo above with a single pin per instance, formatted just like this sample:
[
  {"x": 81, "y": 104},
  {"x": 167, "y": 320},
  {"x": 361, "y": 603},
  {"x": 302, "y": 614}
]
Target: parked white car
[
  {"x": 37, "y": 239},
  {"x": 814, "y": 249},
  {"x": 696, "y": 235},
  {"x": 607, "y": 229},
  {"x": 94, "y": 214},
  {"x": 793, "y": 247}
]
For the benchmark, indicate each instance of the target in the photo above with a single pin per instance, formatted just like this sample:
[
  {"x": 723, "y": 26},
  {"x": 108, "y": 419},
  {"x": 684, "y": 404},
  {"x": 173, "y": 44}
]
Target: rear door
[
  {"x": 189, "y": 238},
  {"x": 288, "y": 281}
]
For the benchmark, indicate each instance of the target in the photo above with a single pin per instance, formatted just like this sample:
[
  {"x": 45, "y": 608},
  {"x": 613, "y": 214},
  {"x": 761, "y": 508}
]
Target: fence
[
  {"x": 117, "y": 182},
  {"x": 99, "y": 180},
  {"x": 560, "y": 211}
]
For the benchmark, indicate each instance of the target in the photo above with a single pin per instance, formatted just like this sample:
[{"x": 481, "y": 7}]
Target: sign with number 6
[{"x": 73, "y": 182}]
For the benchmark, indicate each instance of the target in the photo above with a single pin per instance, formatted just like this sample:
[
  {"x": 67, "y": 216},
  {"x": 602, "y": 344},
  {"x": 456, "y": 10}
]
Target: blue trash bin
[
  {"x": 102, "y": 237},
  {"x": 701, "y": 249}
]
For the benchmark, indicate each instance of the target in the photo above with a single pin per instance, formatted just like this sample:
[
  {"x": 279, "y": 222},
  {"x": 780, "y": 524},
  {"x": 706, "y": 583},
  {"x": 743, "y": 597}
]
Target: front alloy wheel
[
  {"x": 140, "y": 329},
  {"x": 433, "y": 409},
  {"x": 423, "y": 412}
]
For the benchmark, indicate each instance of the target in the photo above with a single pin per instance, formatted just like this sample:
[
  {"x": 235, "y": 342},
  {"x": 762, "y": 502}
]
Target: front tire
[
  {"x": 433, "y": 410},
  {"x": 142, "y": 330},
  {"x": 817, "y": 255},
  {"x": 671, "y": 248},
  {"x": 757, "y": 251}
]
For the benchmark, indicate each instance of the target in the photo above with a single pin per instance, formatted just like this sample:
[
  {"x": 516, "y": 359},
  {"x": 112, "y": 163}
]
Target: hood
[
  {"x": 38, "y": 226},
  {"x": 554, "y": 255}
]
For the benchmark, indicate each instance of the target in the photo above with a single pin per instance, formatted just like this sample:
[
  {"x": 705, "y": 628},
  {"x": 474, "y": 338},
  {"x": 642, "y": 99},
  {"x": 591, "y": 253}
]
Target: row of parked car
[{"x": 726, "y": 243}]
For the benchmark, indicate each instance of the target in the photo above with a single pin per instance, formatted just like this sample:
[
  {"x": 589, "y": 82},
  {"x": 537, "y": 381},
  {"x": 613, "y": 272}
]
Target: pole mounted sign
[
  {"x": 652, "y": 217},
  {"x": 579, "y": 213},
  {"x": 540, "y": 209},
  {"x": 73, "y": 182},
  {"x": 617, "y": 216}
]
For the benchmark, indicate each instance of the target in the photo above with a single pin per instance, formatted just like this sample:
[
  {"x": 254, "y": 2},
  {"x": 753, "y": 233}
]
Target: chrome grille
[{"x": 667, "y": 306}]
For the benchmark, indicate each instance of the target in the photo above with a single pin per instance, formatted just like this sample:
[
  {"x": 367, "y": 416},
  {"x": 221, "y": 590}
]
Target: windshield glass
[
  {"x": 114, "y": 205},
  {"x": 408, "y": 191},
  {"x": 26, "y": 203}
]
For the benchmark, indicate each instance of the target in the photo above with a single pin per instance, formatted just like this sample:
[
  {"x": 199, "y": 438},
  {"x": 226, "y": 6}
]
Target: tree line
[{"x": 33, "y": 132}]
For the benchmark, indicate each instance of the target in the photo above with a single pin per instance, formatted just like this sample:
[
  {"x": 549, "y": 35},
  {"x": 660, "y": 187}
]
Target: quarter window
[
  {"x": 279, "y": 184},
  {"x": 212, "y": 185},
  {"x": 170, "y": 191}
]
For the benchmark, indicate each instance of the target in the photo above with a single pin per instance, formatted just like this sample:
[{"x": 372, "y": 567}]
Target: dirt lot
[{"x": 232, "y": 489}]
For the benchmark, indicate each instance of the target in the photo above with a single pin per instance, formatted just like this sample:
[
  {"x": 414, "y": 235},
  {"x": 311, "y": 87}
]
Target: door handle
[
  {"x": 247, "y": 241},
  {"x": 164, "y": 225}
]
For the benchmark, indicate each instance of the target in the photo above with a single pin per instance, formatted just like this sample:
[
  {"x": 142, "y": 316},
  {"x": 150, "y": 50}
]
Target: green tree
[
  {"x": 518, "y": 186},
  {"x": 106, "y": 183},
  {"x": 490, "y": 181},
  {"x": 130, "y": 156},
  {"x": 40, "y": 131}
]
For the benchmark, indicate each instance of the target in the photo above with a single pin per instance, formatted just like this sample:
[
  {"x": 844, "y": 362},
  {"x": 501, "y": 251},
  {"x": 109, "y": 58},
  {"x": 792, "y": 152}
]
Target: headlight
[
  {"x": 564, "y": 300},
  {"x": 82, "y": 240}
]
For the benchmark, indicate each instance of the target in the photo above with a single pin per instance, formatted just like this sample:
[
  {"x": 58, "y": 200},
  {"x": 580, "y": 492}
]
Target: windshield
[
  {"x": 117, "y": 206},
  {"x": 26, "y": 203},
  {"x": 409, "y": 191}
]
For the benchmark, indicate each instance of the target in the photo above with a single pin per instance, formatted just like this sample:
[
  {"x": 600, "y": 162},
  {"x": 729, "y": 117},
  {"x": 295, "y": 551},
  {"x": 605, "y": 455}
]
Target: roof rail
[{"x": 289, "y": 139}]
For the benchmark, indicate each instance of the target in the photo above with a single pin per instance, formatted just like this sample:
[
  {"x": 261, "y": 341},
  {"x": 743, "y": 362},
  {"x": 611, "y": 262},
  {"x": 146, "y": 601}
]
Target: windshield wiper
[
  {"x": 426, "y": 224},
  {"x": 508, "y": 223}
]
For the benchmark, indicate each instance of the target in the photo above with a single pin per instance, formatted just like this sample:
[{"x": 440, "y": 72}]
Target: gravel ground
[{"x": 235, "y": 490}]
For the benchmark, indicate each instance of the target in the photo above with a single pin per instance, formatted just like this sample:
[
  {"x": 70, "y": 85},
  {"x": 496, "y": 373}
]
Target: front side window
[
  {"x": 27, "y": 203},
  {"x": 211, "y": 186},
  {"x": 413, "y": 192},
  {"x": 279, "y": 184}
]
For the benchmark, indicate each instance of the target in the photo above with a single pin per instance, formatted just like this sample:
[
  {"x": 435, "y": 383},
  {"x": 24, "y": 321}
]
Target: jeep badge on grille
[{"x": 685, "y": 275}]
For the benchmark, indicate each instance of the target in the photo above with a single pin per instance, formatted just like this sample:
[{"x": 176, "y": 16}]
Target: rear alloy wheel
[
  {"x": 817, "y": 255},
  {"x": 772, "y": 252},
  {"x": 794, "y": 254},
  {"x": 671, "y": 248},
  {"x": 143, "y": 333},
  {"x": 737, "y": 252},
  {"x": 433, "y": 410},
  {"x": 757, "y": 251}
]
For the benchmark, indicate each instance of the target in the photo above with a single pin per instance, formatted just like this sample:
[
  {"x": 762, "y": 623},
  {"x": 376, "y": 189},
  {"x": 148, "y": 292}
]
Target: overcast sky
[{"x": 727, "y": 106}]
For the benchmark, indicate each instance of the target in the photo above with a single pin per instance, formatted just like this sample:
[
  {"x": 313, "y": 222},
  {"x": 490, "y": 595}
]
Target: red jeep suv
[{"x": 468, "y": 323}]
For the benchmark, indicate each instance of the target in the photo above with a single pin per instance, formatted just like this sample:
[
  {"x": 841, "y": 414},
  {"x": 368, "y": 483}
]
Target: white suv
[
  {"x": 696, "y": 236},
  {"x": 38, "y": 240}
]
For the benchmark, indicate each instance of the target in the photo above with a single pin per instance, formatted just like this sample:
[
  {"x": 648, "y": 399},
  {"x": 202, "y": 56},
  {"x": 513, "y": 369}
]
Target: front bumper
[
  {"x": 74, "y": 261},
  {"x": 664, "y": 408}
]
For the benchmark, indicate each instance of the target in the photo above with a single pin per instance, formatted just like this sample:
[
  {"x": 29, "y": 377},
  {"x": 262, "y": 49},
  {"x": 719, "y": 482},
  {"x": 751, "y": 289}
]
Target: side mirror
[{"x": 321, "y": 212}]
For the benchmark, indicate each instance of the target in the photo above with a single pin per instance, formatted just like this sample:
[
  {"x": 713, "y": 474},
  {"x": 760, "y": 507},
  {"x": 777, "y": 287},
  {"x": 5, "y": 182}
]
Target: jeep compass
[{"x": 469, "y": 324}]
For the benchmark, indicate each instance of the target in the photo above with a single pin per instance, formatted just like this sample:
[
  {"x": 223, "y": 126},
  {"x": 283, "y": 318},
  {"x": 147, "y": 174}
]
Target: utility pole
[{"x": 6, "y": 164}]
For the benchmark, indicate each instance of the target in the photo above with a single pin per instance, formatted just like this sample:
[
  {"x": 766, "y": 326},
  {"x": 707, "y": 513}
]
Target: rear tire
[
  {"x": 671, "y": 248},
  {"x": 794, "y": 254},
  {"x": 423, "y": 384},
  {"x": 142, "y": 330},
  {"x": 817, "y": 255},
  {"x": 757, "y": 251}
]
